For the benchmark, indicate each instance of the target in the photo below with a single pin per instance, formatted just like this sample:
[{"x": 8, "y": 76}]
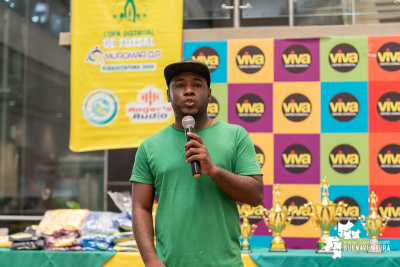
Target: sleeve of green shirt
[
  {"x": 141, "y": 172},
  {"x": 246, "y": 158}
]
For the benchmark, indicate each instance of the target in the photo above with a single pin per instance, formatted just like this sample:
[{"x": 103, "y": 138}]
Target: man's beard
[{"x": 200, "y": 112}]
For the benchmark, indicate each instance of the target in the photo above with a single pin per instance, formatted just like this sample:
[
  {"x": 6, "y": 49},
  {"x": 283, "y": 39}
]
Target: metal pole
[
  {"x": 105, "y": 184},
  {"x": 353, "y": 11},
  {"x": 291, "y": 13},
  {"x": 236, "y": 15},
  {"x": 20, "y": 218},
  {"x": 25, "y": 39},
  {"x": 5, "y": 91}
]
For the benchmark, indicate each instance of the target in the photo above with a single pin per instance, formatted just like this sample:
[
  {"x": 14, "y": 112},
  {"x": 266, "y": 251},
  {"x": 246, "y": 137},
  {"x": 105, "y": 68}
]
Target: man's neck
[{"x": 200, "y": 122}]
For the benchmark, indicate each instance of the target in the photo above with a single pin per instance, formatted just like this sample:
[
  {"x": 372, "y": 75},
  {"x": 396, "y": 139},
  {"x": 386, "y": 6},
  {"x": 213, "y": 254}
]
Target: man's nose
[{"x": 189, "y": 90}]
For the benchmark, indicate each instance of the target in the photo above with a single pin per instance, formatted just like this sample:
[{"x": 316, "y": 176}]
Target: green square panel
[
  {"x": 344, "y": 158},
  {"x": 344, "y": 59},
  {"x": 219, "y": 102}
]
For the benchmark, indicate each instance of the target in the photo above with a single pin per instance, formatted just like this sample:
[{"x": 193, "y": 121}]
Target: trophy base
[
  {"x": 278, "y": 247},
  {"x": 322, "y": 251},
  {"x": 278, "y": 250},
  {"x": 245, "y": 249}
]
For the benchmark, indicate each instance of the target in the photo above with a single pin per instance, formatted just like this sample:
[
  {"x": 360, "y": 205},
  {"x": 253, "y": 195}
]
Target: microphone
[{"x": 188, "y": 125}]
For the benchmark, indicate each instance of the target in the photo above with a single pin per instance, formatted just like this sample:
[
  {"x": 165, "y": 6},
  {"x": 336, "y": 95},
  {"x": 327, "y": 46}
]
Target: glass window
[
  {"x": 199, "y": 14},
  {"x": 38, "y": 171},
  {"x": 320, "y": 12},
  {"x": 264, "y": 13}
]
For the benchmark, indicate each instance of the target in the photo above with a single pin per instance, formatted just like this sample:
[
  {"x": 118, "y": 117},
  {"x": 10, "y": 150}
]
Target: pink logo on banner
[{"x": 296, "y": 60}]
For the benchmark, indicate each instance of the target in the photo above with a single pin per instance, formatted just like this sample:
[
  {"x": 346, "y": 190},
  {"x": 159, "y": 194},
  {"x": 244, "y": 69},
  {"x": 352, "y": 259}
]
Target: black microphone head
[{"x": 188, "y": 121}]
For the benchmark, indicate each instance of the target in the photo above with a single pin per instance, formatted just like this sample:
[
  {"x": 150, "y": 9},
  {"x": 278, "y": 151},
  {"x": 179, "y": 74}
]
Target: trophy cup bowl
[
  {"x": 326, "y": 214},
  {"x": 277, "y": 221},
  {"x": 374, "y": 224},
  {"x": 247, "y": 229}
]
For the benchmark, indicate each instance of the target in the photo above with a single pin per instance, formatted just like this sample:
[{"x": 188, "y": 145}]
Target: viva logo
[
  {"x": 388, "y": 56},
  {"x": 341, "y": 57},
  {"x": 247, "y": 59},
  {"x": 296, "y": 107},
  {"x": 389, "y": 158},
  {"x": 296, "y": 58},
  {"x": 344, "y": 158},
  {"x": 389, "y": 106},
  {"x": 301, "y": 212},
  {"x": 208, "y": 56},
  {"x": 292, "y": 58},
  {"x": 344, "y": 107},
  {"x": 250, "y": 59},
  {"x": 390, "y": 207},
  {"x": 296, "y": 158},
  {"x": 250, "y": 107},
  {"x": 247, "y": 107},
  {"x": 208, "y": 60}
]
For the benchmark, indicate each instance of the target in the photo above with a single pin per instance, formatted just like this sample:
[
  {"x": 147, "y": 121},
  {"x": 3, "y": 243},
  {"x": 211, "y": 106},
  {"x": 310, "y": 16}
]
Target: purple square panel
[
  {"x": 296, "y": 60},
  {"x": 296, "y": 158},
  {"x": 250, "y": 106},
  {"x": 301, "y": 243}
]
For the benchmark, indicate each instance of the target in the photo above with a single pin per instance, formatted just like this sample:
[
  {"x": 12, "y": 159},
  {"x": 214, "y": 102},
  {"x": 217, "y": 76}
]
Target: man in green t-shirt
[{"x": 197, "y": 221}]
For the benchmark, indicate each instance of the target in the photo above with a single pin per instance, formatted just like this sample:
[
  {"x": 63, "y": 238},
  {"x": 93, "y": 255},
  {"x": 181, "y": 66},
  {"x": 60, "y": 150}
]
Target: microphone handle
[{"x": 196, "y": 172}]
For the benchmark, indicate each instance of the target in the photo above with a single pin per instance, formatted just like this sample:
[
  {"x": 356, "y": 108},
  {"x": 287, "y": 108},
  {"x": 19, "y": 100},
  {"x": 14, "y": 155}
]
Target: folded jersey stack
[
  {"x": 96, "y": 243},
  {"x": 27, "y": 240},
  {"x": 124, "y": 242},
  {"x": 63, "y": 240}
]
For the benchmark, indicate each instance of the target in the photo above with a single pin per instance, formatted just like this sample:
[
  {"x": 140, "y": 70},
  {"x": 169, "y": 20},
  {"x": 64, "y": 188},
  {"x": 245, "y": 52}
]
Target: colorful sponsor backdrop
[
  {"x": 119, "y": 51},
  {"x": 314, "y": 108}
]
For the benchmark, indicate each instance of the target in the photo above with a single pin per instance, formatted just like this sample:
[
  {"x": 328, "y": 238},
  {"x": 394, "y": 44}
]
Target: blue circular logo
[{"x": 100, "y": 107}]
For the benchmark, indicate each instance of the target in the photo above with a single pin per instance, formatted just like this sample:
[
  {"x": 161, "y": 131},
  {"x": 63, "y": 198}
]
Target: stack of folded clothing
[
  {"x": 27, "y": 240},
  {"x": 61, "y": 229},
  {"x": 124, "y": 242},
  {"x": 4, "y": 242},
  {"x": 124, "y": 222},
  {"x": 63, "y": 240},
  {"x": 97, "y": 229},
  {"x": 96, "y": 243}
]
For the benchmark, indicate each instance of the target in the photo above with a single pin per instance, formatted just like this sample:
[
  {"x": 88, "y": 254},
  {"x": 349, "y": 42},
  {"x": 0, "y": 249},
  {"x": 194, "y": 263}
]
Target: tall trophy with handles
[
  {"x": 278, "y": 219},
  {"x": 246, "y": 228},
  {"x": 326, "y": 214},
  {"x": 374, "y": 224}
]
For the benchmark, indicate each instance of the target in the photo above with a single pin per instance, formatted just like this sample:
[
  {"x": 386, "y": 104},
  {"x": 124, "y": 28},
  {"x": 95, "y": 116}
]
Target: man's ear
[
  {"x": 209, "y": 94},
  {"x": 168, "y": 96}
]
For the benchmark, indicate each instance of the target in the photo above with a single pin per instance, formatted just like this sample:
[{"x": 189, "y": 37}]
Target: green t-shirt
[{"x": 197, "y": 224}]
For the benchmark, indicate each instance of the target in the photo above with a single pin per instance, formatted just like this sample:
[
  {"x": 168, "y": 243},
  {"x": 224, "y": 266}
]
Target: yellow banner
[{"x": 118, "y": 54}]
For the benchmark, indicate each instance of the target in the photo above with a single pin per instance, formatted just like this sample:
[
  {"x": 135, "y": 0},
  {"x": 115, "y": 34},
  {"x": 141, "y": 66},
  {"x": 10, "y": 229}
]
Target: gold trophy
[
  {"x": 374, "y": 224},
  {"x": 326, "y": 214},
  {"x": 277, "y": 221},
  {"x": 246, "y": 228}
]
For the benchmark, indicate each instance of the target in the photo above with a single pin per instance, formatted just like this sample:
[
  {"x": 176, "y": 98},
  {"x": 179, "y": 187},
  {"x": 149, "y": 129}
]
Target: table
[
  {"x": 134, "y": 259},
  {"x": 42, "y": 258},
  {"x": 306, "y": 257},
  {"x": 260, "y": 257}
]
